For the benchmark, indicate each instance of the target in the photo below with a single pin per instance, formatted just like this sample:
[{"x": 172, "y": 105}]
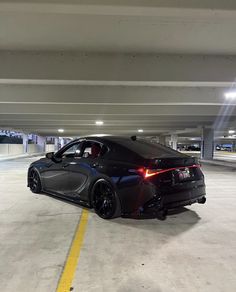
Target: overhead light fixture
[
  {"x": 231, "y": 131},
  {"x": 60, "y": 130},
  {"x": 230, "y": 94},
  {"x": 99, "y": 135},
  {"x": 99, "y": 123},
  {"x": 140, "y": 130}
]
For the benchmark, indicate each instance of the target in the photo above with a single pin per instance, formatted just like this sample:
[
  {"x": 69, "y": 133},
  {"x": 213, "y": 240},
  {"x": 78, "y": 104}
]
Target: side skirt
[{"x": 65, "y": 198}]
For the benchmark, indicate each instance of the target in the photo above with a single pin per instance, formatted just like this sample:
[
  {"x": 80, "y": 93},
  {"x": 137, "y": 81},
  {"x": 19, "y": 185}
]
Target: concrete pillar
[
  {"x": 41, "y": 141},
  {"x": 66, "y": 141},
  {"x": 25, "y": 143},
  {"x": 155, "y": 139},
  {"x": 173, "y": 141},
  {"x": 61, "y": 141},
  {"x": 234, "y": 146},
  {"x": 34, "y": 138},
  {"x": 207, "y": 144},
  {"x": 162, "y": 140},
  {"x": 56, "y": 144}
]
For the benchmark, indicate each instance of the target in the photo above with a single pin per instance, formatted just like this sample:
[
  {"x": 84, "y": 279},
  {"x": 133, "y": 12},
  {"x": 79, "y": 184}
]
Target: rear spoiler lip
[{"x": 173, "y": 162}]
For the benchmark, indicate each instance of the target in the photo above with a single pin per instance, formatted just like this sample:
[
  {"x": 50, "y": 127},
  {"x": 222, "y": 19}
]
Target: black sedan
[{"x": 120, "y": 176}]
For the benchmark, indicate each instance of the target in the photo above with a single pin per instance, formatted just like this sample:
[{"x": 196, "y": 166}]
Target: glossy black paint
[{"x": 72, "y": 176}]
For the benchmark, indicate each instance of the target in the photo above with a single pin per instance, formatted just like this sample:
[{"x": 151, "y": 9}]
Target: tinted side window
[
  {"x": 92, "y": 149},
  {"x": 72, "y": 151}
]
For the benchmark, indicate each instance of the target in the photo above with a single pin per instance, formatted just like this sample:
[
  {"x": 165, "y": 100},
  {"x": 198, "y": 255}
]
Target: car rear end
[
  {"x": 176, "y": 181},
  {"x": 167, "y": 178}
]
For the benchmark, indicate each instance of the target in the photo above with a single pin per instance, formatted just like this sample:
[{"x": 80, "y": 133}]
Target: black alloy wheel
[
  {"x": 34, "y": 181},
  {"x": 105, "y": 202}
]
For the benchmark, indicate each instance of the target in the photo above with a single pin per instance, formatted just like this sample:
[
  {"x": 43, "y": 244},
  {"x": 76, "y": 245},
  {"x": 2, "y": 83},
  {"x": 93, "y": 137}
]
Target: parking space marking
[{"x": 68, "y": 273}]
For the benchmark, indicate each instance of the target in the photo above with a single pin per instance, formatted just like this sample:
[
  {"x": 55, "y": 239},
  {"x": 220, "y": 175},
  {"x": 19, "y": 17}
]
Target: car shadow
[
  {"x": 178, "y": 220},
  {"x": 153, "y": 215}
]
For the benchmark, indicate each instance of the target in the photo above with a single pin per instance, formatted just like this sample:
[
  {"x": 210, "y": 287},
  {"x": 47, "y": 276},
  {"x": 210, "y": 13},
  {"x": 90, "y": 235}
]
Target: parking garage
[{"x": 159, "y": 71}]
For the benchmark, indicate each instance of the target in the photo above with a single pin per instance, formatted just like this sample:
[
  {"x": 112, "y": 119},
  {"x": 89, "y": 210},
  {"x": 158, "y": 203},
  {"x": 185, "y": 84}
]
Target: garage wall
[
  {"x": 11, "y": 149},
  {"x": 15, "y": 149},
  {"x": 4, "y": 148},
  {"x": 35, "y": 148},
  {"x": 50, "y": 148}
]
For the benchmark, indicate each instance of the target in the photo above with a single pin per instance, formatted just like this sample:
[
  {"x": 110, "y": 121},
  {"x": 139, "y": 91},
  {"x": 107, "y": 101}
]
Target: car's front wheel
[
  {"x": 105, "y": 201},
  {"x": 34, "y": 181}
]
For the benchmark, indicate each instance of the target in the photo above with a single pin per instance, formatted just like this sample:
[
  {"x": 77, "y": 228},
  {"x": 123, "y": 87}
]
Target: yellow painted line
[{"x": 68, "y": 273}]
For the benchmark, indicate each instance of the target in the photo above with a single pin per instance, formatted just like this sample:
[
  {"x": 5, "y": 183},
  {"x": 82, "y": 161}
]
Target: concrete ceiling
[{"x": 148, "y": 65}]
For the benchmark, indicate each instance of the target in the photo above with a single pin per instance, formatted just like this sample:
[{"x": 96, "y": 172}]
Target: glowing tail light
[
  {"x": 151, "y": 172},
  {"x": 148, "y": 172}
]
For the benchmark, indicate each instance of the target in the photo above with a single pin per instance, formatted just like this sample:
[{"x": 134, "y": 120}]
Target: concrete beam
[
  {"x": 109, "y": 128},
  {"x": 91, "y": 122},
  {"x": 112, "y": 95},
  {"x": 78, "y": 132},
  {"x": 95, "y": 110},
  {"x": 116, "y": 69},
  {"x": 121, "y": 7},
  {"x": 119, "y": 118}
]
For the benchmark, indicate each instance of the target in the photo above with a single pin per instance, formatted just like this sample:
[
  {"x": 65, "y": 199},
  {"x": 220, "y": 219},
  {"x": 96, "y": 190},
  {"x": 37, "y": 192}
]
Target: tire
[
  {"x": 161, "y": 215},
  {"x": 34, "y": 181},
  {"x": 105, "y": 200}
]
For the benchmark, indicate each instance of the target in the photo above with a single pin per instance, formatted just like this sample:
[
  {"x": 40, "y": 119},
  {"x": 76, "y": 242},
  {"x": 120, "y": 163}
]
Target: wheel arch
[{"x": 108, "y": 179}]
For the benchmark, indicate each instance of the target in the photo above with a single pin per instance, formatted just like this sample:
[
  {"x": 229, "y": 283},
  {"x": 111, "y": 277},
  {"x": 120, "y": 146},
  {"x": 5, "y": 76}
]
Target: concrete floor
[
  {"x": 194, "y": 250},
  {"x": 227, "y": 156}
]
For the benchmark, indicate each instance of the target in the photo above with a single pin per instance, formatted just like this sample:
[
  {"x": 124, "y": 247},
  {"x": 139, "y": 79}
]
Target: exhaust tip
[{"x": 202, "y": 200}]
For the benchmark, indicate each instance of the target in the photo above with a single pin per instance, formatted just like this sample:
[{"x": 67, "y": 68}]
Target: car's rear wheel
[
  {"x": 34, "y": 181},
  {"x": 105, "y": 201}
]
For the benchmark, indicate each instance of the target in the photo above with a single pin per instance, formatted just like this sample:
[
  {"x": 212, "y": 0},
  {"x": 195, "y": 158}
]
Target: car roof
[
  {"x": 104, "y": 138},
  {"x": 140, "y": 147}
]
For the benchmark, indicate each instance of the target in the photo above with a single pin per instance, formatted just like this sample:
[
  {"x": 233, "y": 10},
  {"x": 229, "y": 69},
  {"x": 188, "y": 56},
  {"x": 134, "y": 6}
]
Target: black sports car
[{"x": 119, "y": 176}]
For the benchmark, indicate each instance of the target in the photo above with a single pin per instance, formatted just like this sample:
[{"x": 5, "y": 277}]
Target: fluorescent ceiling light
[
  {"x": 99, "y": 123},
  {"x": 231, "y": 131},
  {"x": 140, "y": 130},
  {"x": 60, "y": 130},
  {"x": 99, "y": 135},
  {"x": 230, "y": 94}
]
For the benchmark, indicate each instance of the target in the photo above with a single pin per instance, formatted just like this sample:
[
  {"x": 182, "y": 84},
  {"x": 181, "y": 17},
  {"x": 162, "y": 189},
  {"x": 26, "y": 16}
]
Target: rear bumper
[{"x": 173, "y": 199}]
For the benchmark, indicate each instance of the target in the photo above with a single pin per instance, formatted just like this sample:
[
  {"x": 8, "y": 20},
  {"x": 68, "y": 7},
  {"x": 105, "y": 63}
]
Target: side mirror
[{"x": 50, "y": 155}]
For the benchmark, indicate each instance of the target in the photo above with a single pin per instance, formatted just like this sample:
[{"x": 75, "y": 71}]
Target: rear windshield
[{"x": 148, "y": 149}]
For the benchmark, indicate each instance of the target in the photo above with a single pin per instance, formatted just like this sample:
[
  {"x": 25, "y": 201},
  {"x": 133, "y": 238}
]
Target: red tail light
[
  {"x": 151, "y": 172},
  {"x": 148, "y": 172}
]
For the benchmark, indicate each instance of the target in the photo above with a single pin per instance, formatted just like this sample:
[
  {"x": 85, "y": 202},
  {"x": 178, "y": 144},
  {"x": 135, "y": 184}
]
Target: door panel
[
  {"x": 56, "y": 177},
  {"x": 80, "y": 171}
]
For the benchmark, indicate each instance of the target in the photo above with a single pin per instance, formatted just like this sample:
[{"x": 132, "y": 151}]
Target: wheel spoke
[
  {"x": 34, "y": 180},
  {"x": 104, "y": 201}
]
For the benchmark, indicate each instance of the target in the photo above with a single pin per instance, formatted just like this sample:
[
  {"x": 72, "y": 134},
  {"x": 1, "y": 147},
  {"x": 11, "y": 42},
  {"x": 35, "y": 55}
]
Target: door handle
[
  {"x": 65, "y": 165},
  {"x": 95, "y": 165}
]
